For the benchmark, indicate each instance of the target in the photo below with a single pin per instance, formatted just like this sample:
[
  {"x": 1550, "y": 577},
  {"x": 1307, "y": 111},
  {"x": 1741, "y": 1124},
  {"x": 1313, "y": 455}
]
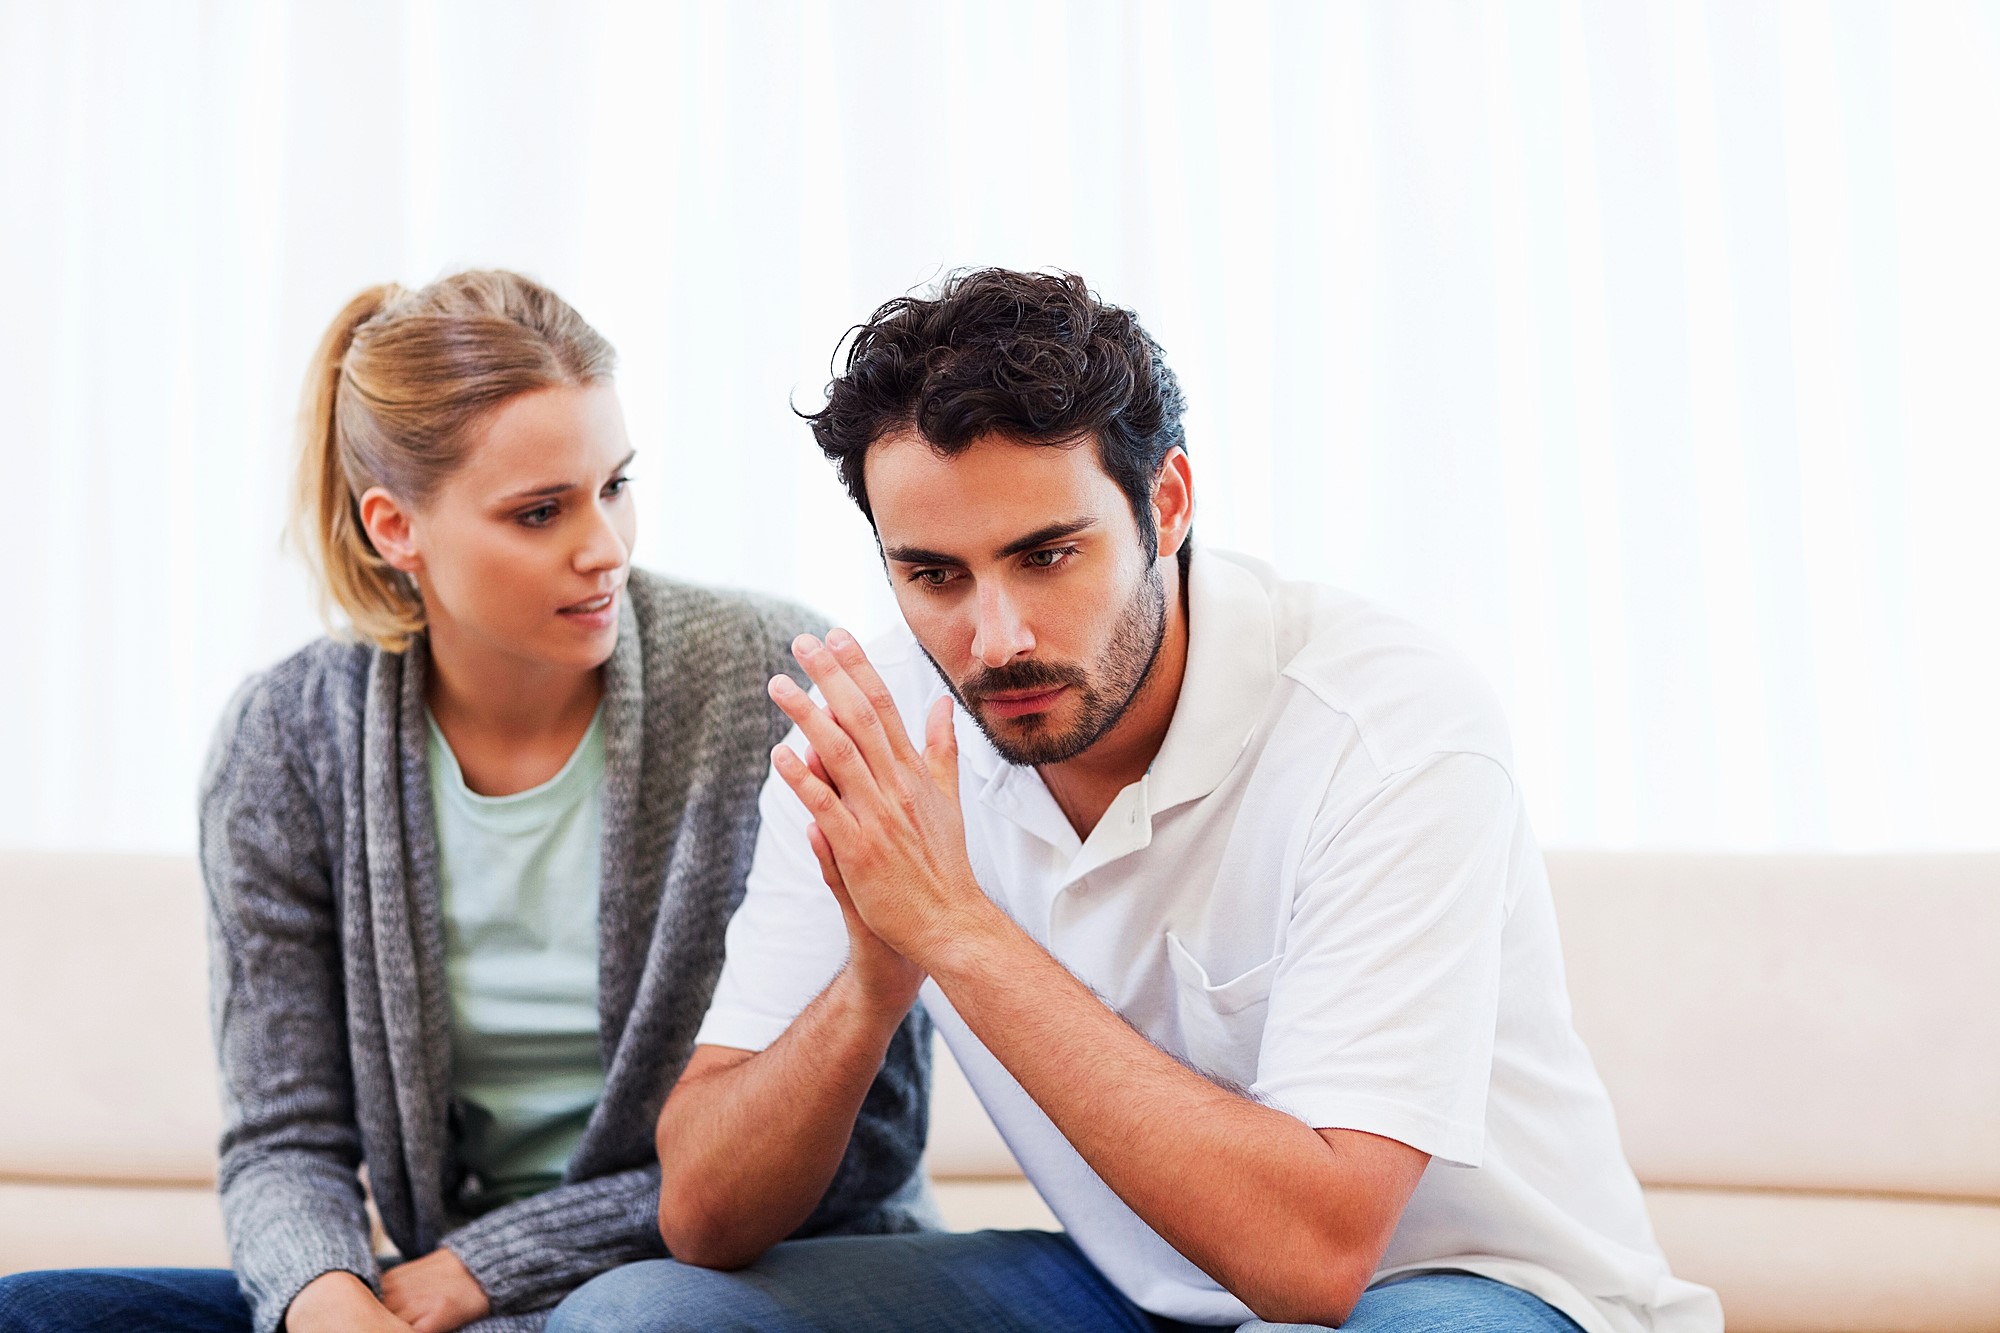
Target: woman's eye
[
  {"x": 540, "y": 516},
  {"x": 617, "y": 485}
]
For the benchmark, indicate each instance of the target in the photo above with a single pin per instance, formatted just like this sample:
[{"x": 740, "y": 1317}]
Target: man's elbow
[
  {"x": 695, "y": 1235},
  {"x": 1321, "y": 1292}
]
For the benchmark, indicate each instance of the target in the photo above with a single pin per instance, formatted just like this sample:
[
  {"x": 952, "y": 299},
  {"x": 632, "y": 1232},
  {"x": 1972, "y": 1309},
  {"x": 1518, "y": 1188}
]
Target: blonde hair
[{"x": 394, "y": 389}]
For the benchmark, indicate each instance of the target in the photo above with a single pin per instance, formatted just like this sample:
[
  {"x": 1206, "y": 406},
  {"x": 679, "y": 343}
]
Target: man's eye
[
  {"x": 1050, "y": 558},
  {"x": 931, "y": 578}
]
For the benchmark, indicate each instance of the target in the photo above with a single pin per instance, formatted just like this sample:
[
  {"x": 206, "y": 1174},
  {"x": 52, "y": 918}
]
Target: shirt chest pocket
[{"x": 1222, "y": 1023}]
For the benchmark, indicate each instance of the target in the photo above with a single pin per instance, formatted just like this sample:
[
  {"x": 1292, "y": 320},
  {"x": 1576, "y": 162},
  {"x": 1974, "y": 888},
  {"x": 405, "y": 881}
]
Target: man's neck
[{"x": 1085, "y": 787}]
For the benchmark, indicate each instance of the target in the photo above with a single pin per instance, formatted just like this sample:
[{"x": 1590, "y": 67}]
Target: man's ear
[
  {"x": 1173, "y": 502},
  {"x": 387, "y": 522}
]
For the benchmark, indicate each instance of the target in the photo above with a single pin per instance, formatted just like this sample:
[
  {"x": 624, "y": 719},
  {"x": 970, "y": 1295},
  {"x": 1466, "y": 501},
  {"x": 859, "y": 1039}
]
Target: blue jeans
[
  {"x": 123, "y": 1300},
  {"x": 979, "y": 1282}
]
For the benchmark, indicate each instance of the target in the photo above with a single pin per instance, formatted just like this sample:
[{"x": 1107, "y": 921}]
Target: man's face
[{"x": 1018, "y": 568}]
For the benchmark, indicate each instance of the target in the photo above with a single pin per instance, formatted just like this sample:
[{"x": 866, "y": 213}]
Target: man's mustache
[{"x": 1017, "y": 677}]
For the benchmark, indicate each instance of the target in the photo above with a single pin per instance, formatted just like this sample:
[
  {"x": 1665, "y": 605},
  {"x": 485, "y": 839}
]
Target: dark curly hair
[{"x": 1036, "y": 356}]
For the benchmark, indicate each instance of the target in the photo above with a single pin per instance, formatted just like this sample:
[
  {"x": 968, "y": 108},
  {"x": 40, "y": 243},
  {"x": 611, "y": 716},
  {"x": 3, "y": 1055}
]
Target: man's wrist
[
  {"x": 963, "y": 944},
  {"x": 870, "y": 1002}
]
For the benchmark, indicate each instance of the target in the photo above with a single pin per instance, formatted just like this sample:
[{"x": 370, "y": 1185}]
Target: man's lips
[{"x": 1015, "y": 703}]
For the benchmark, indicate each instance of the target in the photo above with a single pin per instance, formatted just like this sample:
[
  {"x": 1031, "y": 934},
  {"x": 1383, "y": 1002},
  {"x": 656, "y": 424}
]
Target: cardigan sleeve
[
  {"x": 291, "y": 1200},
  {"x": 528, "y": 1254}
]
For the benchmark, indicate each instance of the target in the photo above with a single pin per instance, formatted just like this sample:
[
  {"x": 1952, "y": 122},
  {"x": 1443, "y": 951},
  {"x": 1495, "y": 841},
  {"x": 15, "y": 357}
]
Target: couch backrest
[
  {"x": 1762, "y": 1021},
  {"x": 1802, "y": 1022},
  {"x": 1793, "y": 1022},
  {"x": 106, "y": 1072}
]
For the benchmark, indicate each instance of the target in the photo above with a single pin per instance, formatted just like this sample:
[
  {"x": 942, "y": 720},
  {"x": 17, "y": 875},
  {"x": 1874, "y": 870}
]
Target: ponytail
[
  {"x": 397, "y": 380},
  {"x": 379, "y": 600}
]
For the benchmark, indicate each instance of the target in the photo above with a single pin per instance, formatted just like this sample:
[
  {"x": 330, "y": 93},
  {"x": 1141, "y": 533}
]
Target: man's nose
[{"x": 1000, "y": 634}]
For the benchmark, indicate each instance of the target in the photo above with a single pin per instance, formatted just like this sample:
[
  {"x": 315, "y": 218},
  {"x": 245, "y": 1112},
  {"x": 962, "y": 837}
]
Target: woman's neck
[{"x": 511, "y": 723}]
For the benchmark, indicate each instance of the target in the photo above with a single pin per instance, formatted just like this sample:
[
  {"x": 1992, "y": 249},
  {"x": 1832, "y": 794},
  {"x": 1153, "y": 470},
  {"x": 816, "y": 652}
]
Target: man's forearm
[
  {"x": 1252, "y": 1196},
  {"x": 747, "y": 1148}
]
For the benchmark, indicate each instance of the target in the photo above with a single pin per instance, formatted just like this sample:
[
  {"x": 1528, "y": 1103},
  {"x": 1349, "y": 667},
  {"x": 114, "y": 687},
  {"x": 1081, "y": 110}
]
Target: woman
[{"x": 468, "y": 876}]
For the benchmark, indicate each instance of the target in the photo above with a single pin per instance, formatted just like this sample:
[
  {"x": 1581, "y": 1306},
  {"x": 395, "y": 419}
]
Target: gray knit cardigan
[{"x": 331, "y": 1016}]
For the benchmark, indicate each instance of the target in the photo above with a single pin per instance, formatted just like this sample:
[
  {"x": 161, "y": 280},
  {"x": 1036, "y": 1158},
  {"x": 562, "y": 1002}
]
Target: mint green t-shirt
[{"x": 519, "y": 875}]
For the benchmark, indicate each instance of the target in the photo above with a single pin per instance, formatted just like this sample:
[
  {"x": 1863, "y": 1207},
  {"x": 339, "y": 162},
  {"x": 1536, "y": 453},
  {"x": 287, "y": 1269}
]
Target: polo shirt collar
[{"x": 1232, "y": 668}]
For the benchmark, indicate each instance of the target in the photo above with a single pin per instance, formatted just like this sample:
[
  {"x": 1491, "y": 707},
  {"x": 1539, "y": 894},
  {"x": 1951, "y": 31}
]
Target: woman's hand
[
  {"x": 434, "y": 1294},
  {"x": 339, "y": 1302}
]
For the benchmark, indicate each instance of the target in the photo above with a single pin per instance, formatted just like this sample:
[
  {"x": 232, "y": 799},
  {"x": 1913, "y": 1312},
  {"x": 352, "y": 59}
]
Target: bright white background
[{"x": 1646, "y": 351}]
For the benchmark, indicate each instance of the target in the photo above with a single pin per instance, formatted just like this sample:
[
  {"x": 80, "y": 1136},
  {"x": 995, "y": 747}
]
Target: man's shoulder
[{"x": 1407, "y": 692}]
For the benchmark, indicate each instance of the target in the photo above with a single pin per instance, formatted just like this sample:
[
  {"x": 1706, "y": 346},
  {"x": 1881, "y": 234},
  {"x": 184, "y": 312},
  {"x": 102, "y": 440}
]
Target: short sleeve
[
  {"x": 788, "y": 938},
  {"x": 1384, "y": 1002}
]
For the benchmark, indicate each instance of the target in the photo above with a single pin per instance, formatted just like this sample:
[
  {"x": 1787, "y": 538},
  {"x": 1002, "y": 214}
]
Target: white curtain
[{"x": 1646, "y": 351}]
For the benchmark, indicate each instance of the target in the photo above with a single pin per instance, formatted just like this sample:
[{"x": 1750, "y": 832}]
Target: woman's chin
[{"x": 587, "y": 654}]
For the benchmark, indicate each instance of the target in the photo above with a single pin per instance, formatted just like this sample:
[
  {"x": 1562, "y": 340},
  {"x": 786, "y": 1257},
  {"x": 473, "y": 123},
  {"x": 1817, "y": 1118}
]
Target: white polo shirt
[{"x": 1325, "y": 889}]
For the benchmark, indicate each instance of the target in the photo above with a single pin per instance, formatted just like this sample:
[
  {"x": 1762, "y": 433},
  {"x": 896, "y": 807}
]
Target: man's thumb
[{"x": 941, "y": 746}]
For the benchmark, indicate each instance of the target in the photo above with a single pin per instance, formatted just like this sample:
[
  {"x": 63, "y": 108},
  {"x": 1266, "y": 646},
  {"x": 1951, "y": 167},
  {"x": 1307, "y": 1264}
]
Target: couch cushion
[
  {"x": 1806, "y": 1263},
  {"x": 103, "y": 982},
  {"x": 1806, "y": 1022},
  {"x": 109, "y": 1226}
]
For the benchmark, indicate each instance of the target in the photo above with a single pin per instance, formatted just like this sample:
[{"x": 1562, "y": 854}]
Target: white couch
[{"x": 1804, "y": 1053}]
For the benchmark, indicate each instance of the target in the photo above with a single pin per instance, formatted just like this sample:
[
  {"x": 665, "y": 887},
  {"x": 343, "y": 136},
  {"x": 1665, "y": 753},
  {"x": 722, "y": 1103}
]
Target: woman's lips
[
  {"x": 1020, "y": 705},
  {"x": 596, "y": 613}
]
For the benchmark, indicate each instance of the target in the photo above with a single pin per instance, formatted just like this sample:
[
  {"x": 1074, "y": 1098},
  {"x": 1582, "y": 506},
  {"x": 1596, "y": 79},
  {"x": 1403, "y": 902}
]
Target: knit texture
[{"x": 329, "y": 1004}]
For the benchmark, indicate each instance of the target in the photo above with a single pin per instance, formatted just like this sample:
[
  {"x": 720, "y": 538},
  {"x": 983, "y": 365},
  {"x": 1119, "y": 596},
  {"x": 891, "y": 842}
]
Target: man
[{"x": 1219, "y": 888}]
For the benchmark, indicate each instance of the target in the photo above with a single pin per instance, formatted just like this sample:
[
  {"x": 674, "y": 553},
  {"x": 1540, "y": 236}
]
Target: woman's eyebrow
[{"x": 556, "y": 488}]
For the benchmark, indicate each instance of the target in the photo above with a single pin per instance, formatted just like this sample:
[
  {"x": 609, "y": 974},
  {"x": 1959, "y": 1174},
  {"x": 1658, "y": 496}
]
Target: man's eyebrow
[
  {"x": 562, "y": 487},
  {"x": 1054, "y": 532},
  {"x": 917, "y": 555}
]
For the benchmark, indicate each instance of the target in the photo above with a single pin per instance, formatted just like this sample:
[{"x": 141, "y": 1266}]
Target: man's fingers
[
  {"x": 818, "y": 797},
  {"x": 941, "y": 746},
  {"x": 829, "y": 869},
  {"x": 848, "y": 652},
  {"x": 874, "y": 729},
  {"x": 841, "y": 758}
]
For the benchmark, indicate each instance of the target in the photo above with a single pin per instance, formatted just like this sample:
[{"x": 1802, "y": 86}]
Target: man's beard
[{"x": 1104, "y": 695}]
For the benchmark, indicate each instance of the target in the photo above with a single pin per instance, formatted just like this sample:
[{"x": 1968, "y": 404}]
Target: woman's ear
[
  {"x": 387, "y": 523},
  {"x": 1173, "y": 502}
]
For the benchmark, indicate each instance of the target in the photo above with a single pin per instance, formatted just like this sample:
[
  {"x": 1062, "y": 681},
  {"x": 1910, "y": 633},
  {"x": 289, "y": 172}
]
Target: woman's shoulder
[
  {"x": 720, "y": 629},
  {"x": 298, "y": 705}
]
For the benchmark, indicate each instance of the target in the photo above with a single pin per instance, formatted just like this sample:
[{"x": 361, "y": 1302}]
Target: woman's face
[{"x": 523, "y": 551}]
